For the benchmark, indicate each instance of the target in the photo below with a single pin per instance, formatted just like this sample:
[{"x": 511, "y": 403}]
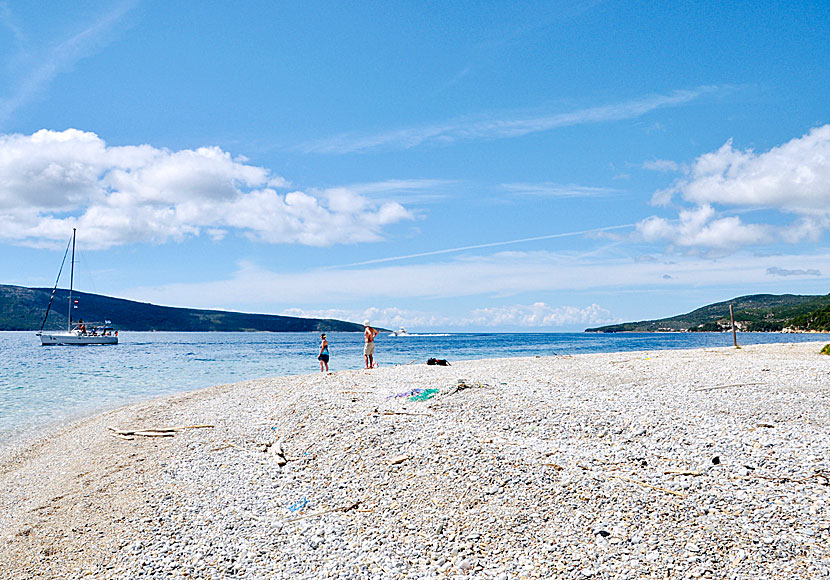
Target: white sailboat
[{"x": 79, "y": 333}]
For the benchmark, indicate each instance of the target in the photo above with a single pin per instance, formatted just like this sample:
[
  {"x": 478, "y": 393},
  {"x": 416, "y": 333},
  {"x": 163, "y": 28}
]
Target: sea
[{"x": 42, "y": 387}]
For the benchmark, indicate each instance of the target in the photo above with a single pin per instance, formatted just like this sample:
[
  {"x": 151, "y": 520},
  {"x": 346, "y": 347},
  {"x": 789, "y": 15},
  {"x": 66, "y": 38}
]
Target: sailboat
[{"x": 79, "y": 333}]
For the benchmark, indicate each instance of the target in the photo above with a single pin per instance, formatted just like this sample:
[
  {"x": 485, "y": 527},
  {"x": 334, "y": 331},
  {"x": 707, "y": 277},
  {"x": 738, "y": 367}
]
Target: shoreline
[
  {"x": 543, "y": 465},
  {"x": 90, "y": 393}
]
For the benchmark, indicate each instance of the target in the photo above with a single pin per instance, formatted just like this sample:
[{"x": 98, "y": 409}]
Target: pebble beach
[{"x": 708, "y": 463}]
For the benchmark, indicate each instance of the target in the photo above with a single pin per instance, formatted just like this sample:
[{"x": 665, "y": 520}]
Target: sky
[{"x": 442, "y": 166}]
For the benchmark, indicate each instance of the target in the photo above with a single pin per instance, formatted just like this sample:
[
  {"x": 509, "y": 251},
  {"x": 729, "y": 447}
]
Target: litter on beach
[
  {"x": 299, "y": 505},
  {"x": 424, "y": 395},
  {"x": 406, "y": 393}
]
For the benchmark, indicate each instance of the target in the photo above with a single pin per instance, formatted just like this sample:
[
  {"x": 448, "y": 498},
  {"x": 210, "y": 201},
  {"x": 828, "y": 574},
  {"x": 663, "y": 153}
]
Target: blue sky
[{"x": 489, "y": 166}]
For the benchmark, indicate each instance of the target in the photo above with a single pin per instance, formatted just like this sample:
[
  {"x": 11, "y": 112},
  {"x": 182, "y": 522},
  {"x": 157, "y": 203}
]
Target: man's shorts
[{"x": 369, "y": 348}]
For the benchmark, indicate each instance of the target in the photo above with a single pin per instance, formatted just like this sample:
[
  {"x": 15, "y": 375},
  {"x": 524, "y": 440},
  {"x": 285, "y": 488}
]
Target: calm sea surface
[{"x": 40, "y": 386}]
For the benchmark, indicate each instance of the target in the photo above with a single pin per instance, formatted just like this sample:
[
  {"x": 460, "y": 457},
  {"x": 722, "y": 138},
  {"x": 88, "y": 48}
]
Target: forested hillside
[
  {"x": 23, "y": 309},
  {"x": 754, "y": 313}
]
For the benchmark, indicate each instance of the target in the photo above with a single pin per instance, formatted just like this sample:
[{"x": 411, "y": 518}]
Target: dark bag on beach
[{"x": 438, "y": 361}]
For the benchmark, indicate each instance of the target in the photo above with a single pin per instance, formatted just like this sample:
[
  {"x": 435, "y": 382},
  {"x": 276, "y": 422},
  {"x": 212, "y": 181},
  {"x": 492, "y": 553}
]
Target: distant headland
[
  {"x": 23, "y": 309},
  {"x": 754, "y": 313}
]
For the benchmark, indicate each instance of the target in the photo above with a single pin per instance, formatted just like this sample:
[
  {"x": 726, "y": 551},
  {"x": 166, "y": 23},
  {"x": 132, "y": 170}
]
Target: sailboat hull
[{"x": 74, "y": 339}]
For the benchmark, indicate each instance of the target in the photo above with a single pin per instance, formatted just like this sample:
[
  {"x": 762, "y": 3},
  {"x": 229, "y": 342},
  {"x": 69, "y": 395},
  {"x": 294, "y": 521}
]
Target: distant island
[
  {"x": 755, "y": 313},
  {"x": 23, "y": 309}
]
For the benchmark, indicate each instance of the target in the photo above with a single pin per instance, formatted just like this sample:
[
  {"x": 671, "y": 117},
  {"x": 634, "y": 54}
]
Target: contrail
[{"x": 480, "y": 246}]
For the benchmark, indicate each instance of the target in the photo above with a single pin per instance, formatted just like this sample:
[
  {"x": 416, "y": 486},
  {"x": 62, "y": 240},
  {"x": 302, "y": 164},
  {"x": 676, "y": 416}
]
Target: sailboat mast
[{"x": 71, "y": 280}]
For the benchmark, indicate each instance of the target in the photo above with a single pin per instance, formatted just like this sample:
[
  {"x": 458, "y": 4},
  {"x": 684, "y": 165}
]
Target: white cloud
[
  {"x": 793, "y": 179},
  {"x": 662, "y": 165},
  {"x": 699, "y": 229},
  {"x": 52, "y": 181},
  {"x": 501, "y": 275},
  {"x": 42, "y": 61},
  {"x": 529, "y": 316},
  {"x": 522, "y": 281},
  {"x": 501, "y": 128},
  {"x": 387, "y": 317},
  {"x": 539, "y": 315},
  {"x": 548, "y": 189},
  {"x": 776, "y": 271},
  {"x": 399, "y": 186}
]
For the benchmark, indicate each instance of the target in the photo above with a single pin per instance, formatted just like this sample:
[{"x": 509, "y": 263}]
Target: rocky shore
[{"x": 708, "y": 463}]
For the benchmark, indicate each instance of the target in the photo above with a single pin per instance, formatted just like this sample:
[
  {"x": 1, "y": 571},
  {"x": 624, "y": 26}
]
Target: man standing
[{"x": 369, "y": 335}]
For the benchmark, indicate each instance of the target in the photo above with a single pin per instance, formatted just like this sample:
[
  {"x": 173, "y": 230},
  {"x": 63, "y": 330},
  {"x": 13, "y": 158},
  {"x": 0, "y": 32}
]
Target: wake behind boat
[
  {"x": 76, "y": 333},
  {"x": 402, "y": 332}
]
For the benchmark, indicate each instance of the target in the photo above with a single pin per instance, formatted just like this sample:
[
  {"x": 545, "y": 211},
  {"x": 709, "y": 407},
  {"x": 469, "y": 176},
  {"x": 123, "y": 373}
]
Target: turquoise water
[{"x": 44, "y": 385}]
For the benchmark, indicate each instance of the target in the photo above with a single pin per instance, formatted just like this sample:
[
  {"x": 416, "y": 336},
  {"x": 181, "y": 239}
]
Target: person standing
[
  {"x": 369, "y": 335},
  {"x": 323, "y": 357}
]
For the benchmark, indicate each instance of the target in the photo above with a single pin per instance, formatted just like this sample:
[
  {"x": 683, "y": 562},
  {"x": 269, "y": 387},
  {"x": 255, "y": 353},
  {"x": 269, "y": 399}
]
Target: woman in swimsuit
[{"x": 323, "y": 357}]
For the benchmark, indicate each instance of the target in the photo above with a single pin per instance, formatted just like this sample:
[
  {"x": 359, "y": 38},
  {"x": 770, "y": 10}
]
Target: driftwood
[
  {"x": 644, "y": 484},
  {"x": 825, "y": 475},
  {"x": 125, "y": 437},
  {"x": 274, "y": 449},
  {"x": 345, "y": 508},
  {"x": 387, "y": 412},
  {"x": 240, "y": 447},
  {"x": 681, "y": 472},
  {"x": 727, "y": 386},
  {"x": 155, "y": 432}
]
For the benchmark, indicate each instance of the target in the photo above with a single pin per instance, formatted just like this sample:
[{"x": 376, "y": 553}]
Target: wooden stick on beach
[
  {"x": 644, "y": 484},
  {"x": 324, "y": 512},
  {"x": 727, "y": 386},
  {"x": 156, "y": 432}
]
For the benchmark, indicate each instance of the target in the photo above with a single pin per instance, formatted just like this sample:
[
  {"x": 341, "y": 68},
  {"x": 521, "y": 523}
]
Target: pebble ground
[{"x": 668, "y": 464}]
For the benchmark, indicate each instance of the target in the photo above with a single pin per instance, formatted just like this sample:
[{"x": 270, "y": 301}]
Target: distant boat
[
  {"x": 79, "y": 333},
  {"x": 400, "y": 332}
]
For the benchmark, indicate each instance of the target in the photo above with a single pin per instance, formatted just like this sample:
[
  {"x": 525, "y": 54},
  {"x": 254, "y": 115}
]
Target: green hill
[
  {"x": 23, "y": 309},
  {"x": 755, "y": 313},
  {"x": 815, "y": 320}
]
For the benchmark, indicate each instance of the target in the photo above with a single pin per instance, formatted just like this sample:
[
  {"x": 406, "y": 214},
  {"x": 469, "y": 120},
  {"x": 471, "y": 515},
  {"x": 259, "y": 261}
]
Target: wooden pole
[{"x": 734, "y": 334}]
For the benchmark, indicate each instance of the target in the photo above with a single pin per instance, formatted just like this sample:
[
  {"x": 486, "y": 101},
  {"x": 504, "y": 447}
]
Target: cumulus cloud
[
  {"x": 51, "y": 181},
  {"x": 539, "y": 315},
  {"x": 700, "y": 229},
  {"x": 775, "y": 271},
  {"x": 792, "y": 179}
]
